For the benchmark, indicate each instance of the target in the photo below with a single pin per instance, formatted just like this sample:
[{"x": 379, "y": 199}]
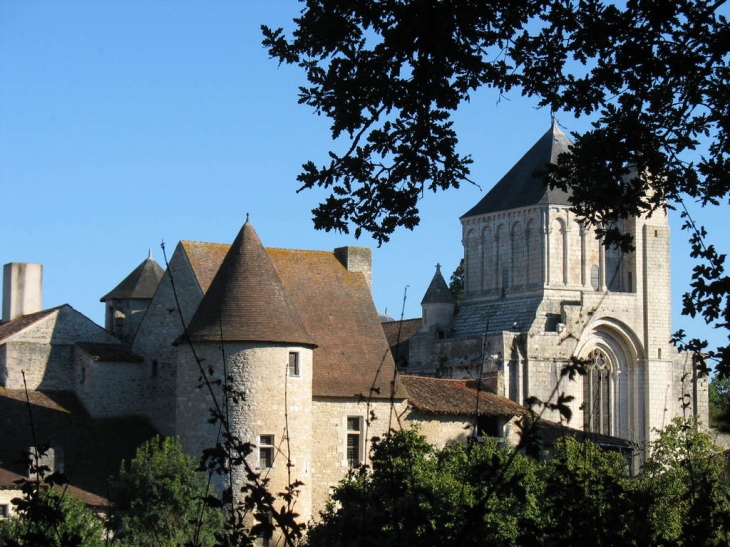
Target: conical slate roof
[
  {"x": 438, "y": 291},
  {"x": 520, "y": 187},
  {"x": 247, "y": 301},
  {"x": 140, "y": 284}
]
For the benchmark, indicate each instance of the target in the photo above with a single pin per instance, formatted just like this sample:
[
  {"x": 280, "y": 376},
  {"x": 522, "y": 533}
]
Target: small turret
[
  {"x": 438, "y": 305},
  {"x": 127, "y": 302}
]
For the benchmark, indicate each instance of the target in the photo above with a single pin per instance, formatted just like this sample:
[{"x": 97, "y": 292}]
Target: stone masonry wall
[
  {"x": 159, "y": 329},
  {"x": 329, "y": 451}
]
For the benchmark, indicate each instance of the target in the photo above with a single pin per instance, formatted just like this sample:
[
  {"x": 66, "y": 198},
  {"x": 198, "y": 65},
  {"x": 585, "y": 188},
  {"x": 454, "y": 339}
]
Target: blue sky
[{"x": 127, "y": 123}]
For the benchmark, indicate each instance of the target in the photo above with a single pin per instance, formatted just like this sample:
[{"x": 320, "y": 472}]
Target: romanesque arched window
[{"x": 597, "y": 394}]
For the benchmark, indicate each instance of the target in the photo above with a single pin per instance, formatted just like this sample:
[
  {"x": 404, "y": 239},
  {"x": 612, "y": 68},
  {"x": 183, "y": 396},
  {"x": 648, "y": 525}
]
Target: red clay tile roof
[
  {"x": 400, "y": 331},
  {"x": 441, "y": 396},
  {"x": 113, "y": 353},
  {"x": 140, "y": 284},
  {"x": 24, "y": 321},
  {"x": 247, "y": 301},
  {"x": 93, "y": 449},
  {"x": 336, "y": 307},
  {"x": 205, "y": 259},
  {"x": 398, "y": 334}
]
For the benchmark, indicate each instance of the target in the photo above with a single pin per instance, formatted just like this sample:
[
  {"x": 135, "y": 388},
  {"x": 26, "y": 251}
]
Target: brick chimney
[{"x": 22, "y": 289}]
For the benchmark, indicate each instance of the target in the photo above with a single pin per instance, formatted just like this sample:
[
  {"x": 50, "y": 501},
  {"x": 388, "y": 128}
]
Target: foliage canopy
[{"x": 652, "y": 75}]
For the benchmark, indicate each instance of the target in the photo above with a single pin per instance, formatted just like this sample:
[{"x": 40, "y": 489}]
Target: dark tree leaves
[{"x": 651, "y": 74}]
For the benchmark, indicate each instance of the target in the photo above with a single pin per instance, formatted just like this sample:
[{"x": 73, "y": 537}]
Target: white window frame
[
  {"x": 266, "y": 444},
  {"x": 352, "y": 433}
]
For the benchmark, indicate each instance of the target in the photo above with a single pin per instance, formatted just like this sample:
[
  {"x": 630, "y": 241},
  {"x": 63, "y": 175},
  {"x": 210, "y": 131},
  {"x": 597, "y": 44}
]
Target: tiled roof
[
  {"x": 246, "y": 300},
  {"x": 440, "y": 396},
  {"x": 24, "y": 321},
  {"x": 113, "y": 353},
  {"x": 438, "y": 291},
  {"x": 205, "y": 259},
  {"x": 398, "y": 334},
  {"x": 549, "y": 432},
  {"x": 513, "y": 313},
  {"x": 140, "y": 284},
  {"x": 400, "y": 331},
  {"x": 93, "y": 449},
  {"x": 336, "y": 308},
  {"x": 520, "y": 187}
]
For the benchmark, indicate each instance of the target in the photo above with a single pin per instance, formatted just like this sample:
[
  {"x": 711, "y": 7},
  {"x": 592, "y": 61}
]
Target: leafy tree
[
  {"x": 652, "y": 75},
  {"x": 464, "y": 494},
  {"x": 52, "y": 519},
  {"x": 685, "y": 489},
  {"x": 720, "y": 403},
  {"x": 587, "y": 497},
  {"x": 158, "y": 499},
  {"x": 456, "y": 283}
]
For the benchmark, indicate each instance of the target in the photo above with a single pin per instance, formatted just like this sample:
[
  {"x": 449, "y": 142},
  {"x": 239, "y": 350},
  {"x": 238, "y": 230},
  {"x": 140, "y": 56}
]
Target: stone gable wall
[{"x": 158, "y": 330}]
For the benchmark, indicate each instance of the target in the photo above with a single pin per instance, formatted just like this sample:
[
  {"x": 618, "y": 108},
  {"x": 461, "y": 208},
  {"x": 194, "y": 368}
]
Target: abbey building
[{"x": 540, "y": 291}]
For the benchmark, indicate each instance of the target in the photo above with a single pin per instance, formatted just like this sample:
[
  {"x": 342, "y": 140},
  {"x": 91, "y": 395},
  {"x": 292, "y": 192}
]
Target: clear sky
[{"x": 126, "y": 123}]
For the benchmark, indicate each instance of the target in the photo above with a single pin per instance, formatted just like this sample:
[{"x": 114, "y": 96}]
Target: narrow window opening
[
  {"x": 293, "y": 363},
  {"x": 155, "y": 368},
  {"x": 266, "y": 451},
  {"x": 660, "y": 353},
  {"x": 354, "y": 441}
]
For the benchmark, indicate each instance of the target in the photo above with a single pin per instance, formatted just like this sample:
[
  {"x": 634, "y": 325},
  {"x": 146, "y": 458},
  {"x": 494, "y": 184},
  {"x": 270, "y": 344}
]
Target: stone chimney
[
  {"x": 22, "y": 289},
  {"x": 356, "y": 260}
]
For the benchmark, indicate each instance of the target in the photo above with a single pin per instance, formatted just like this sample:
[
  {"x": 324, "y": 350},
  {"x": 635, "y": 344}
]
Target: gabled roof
[
  {"x": 457, "y": 397},
  {"x": 92, "y": 448},
  {"x": 336, "y": 308},
  {"x": 24, "y": 321},
  {"x": 438, "y": 291},
  {"x": 520, "y": 187},
  {"x": 140, "y": 284},
  {"x": 247, "y": 301}
]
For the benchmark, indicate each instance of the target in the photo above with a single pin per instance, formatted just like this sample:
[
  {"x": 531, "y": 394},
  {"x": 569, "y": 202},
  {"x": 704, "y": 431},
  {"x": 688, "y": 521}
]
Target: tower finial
[
  {"x": 149, "y": 253},
  {"x": 246, "y": 218}
]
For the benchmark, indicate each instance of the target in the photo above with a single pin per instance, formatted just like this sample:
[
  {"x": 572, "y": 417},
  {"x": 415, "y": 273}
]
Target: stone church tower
[{"x": 540, "y": 289}]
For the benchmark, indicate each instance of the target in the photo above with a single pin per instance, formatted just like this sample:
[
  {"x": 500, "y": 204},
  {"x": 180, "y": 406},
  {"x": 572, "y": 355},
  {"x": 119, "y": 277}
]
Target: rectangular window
[
  {"x": 4, "y": 511},
  {"x": 293, "y": 363},
  {"x": 354, "y": 441},
  {"x": 266, "y": 451}
]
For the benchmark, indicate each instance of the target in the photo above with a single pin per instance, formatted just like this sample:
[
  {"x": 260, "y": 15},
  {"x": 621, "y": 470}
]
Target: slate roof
[
  {"x": 335, "y": 306},
  {"x": 457, "y": 397},
  {"x": 24, "y": 321},
  {"x": 476, "y": 317},
  {"x": 247, "y": 301},
  {"x": 438, "y": 291},
  {"x": 93, "y": 449},
  {"x": 112, "y": 353},
  {"x": 140, "y": 284},
  {"x": 520, "y": 187}
]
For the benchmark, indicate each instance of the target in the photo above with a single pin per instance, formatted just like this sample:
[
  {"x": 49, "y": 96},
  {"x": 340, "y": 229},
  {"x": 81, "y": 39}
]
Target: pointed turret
[
  {"x": 247, "y": 301},
  {"x": 438, "y": 304},
  {"x": 127, "y": 302},
  {"x": 521, "y": 187}
]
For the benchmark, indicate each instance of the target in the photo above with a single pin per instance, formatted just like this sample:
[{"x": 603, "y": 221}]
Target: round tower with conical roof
[
  {"x": 248, "y": 335},
  {"x": 437, "y": 306}
]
